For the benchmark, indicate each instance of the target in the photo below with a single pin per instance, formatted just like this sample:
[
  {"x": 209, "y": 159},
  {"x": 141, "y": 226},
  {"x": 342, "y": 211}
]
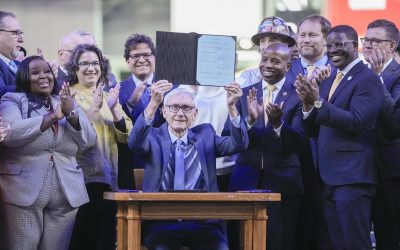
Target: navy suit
[
  {"x": 280, "y": 157},
  {"x": 7, "y": 78},
  {"x": 345, "y": 132},
  {"x": 155, "y": 145},
  {"x": 386, "y": 206}
]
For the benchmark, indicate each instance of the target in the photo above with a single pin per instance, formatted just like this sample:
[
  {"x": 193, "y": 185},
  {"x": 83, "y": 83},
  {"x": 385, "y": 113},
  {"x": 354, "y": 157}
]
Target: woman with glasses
[
  {"x": 95, "y": 223},
  {"x": 41, "y": 185}
]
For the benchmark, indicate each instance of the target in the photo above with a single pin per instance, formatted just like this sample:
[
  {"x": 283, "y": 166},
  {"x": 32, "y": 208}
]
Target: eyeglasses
[
  {"x": 146, "y": 56},
  {"x": 14, "y": 33},
  {"x": 175, "y": 108},
  {"x": 330, "y": 46},
  {"x": 86, "y": 64},
  {"x": 373, "y": 41}
]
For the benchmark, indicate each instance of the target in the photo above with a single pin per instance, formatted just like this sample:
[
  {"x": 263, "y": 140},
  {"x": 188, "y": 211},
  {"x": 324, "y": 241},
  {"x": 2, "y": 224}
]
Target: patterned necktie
[
  {"x": 310, "y": 69},
  {"x": 269, "y": 89},
  {"x": 146, "y": 95},
  {"x": 13, "y": 66},
  {"x": 179, "y": 178},
  {"x": 335, "y": 84}
]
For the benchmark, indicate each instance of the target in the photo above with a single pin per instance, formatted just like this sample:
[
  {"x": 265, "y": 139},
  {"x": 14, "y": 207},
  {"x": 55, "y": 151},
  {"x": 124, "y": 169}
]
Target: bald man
[
  {"x": 276, "y": 134},
  {"x": 67, "y": 44}
]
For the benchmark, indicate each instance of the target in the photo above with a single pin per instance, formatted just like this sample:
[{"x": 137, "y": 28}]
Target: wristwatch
[
  {"x": 72, "y": 114},
  {"x": 318, "y": 103}
]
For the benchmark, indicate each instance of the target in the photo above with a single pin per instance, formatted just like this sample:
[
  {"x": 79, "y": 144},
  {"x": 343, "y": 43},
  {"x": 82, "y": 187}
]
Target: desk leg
[
  {"x": 260, "y": 228},
  {"x": 134, "y": 228},
  {"x": 247, "y": 232},
  {"x": 121, "y": 227}
]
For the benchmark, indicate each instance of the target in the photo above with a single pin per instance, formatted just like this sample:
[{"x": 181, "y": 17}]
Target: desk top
[{"x": 170, "y": 196}]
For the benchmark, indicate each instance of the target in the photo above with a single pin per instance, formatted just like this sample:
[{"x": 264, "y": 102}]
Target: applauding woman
[
  {"x": 41, "y": 184},
  {"x": 95, "y": 226}
]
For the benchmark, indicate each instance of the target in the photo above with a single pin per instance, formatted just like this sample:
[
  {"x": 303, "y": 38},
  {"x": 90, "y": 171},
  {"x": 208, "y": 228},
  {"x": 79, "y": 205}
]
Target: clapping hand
[
  {"x": 377, "y": 60},
  {"x": 98, "y": 96},
  {"x": 274, "y": 113},
  {"x": 4, "y": 127},
  {"x": 67, "y": 99},
  {"x": 254, "y": 106},
  {"x": 320, "y": 73},
  {"x": 113, "y": 96}
]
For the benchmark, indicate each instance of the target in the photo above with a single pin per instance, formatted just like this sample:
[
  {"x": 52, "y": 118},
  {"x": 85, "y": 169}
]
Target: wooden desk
[{"x": 250, "y": 208}]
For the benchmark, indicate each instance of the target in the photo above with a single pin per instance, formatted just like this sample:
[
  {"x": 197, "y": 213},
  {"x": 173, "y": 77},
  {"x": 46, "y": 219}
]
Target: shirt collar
[
  {"x": 5, "y": 59},
  {"x": 386, "y": 64},
  {"x": 350, "y": 66},
  {"x": 174, "y": 138},
  {"x": 63, "y": 69},
  {"x": 139, "y": 82},
  {"x": 278, "y": 85},
  {"x": 321, "y": 62}
]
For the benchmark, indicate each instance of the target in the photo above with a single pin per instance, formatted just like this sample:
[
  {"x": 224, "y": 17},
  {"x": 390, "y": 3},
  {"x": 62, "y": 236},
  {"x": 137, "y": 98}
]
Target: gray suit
[{"x": 33, "y": 163}]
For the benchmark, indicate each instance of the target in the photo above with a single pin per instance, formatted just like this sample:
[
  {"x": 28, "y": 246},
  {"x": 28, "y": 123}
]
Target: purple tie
[{"x": 179, "y": 179}]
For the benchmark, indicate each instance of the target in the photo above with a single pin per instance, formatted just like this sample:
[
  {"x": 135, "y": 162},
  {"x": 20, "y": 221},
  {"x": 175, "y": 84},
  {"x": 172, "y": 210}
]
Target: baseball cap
[{"x": 273, "y": 26}]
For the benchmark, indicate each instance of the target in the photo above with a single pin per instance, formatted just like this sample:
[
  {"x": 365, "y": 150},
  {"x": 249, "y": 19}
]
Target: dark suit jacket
[
  {"x": 345, "y": 127},
  {"x": 155, "y": 145},
  {"x": 7, "y": 78},
  {"x": 388, "y": 161},
  {"x": 281, "y": 155}
]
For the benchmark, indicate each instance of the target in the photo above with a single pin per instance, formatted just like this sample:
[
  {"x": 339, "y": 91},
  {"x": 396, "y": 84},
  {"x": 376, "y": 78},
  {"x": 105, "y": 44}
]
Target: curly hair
[
  {"x": 72, "y": 66},
  {"x": 133, "y": 40}
]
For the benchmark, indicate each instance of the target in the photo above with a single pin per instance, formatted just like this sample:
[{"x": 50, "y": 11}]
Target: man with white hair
[{"x": 182, "y": 158}]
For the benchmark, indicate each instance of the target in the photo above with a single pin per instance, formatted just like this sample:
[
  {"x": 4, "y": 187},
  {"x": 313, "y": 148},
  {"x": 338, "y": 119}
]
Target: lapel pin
[
  {"x": 349, "y": 78},
  {"x": 284, "y": 93}
]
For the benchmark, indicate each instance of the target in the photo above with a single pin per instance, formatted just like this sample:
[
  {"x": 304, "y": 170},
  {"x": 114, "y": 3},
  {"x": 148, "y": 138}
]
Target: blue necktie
[
  {"x": 179, "y": 179},
  {"x": 146, "y": 96},
  {"x": 13, "y": 66}
]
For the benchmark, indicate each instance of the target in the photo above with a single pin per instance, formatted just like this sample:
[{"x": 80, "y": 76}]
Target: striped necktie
[{"x": 13, "y": 66}]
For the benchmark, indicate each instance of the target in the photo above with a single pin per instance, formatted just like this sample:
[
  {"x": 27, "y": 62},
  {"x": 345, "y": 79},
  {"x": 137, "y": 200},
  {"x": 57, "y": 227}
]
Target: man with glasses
[
  {"x": 182, "y": 158},
  {"x": 340, "y": 114},
  {"x": 379, "y": 45},
  {"x": 11, "y": 36}
]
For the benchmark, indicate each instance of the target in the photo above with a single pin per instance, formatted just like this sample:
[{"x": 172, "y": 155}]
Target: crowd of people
[{"x": 315, "y": 122}]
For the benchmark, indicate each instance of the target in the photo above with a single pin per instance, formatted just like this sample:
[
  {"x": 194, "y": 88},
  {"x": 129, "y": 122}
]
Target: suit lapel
[
  {"x": 284, "y": 93},
  {"x": 389, "y": 74},
  {"x": 346, "y": 79}
]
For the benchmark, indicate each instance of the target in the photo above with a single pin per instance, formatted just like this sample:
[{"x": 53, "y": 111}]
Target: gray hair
[{"x": 179, "y": 91}]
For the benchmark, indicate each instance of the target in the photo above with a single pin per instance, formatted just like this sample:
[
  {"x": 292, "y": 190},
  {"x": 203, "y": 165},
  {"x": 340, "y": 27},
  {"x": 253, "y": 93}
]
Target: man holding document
[{"x": 179, "y": 158}]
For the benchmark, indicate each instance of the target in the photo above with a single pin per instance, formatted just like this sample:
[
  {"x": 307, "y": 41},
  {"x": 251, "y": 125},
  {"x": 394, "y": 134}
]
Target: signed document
[
  {"x": 215, "y": 60},
  {"x": 195, "y": 59}
]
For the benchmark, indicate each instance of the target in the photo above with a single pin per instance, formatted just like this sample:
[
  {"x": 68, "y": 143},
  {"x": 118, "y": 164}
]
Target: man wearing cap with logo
[
  {"x": 10, "y": 38},
  {"x": 272, "y": 29}
]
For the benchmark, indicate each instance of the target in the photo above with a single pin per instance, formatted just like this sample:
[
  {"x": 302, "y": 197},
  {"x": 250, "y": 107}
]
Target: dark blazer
[
  {"x": 388, "y": 150},
  {"x": 281, "y": 155},
  {"x": 155, "y": 146},
  {"x": 344, "y": 127},
  {"x": 7, "y": 78}
]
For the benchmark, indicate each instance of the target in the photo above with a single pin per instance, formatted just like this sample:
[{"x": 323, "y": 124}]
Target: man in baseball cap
[{"x": 272, "y": 29}]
